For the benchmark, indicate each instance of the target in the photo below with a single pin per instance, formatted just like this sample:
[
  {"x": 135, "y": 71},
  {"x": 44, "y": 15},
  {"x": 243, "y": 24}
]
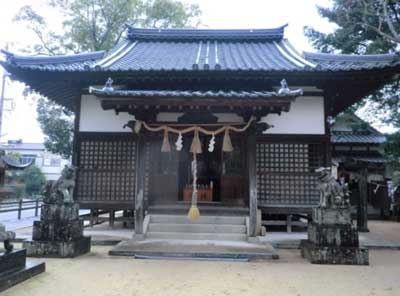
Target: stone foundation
[
  {"x": 59, "y": 233},
  {"x": 58, "y": 249},
  {"x": 14, "y": 268},
  {"x": 318, "y": 254},
  {"x": 332, "y": 239}
]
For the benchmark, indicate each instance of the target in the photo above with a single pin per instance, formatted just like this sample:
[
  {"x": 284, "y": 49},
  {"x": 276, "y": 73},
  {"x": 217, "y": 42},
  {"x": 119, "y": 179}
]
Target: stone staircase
[{"x": 207, "y": 227}]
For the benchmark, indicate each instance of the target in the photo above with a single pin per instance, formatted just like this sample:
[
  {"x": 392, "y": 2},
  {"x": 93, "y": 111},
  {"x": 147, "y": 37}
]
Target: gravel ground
[{"x": 99, "y": 274}]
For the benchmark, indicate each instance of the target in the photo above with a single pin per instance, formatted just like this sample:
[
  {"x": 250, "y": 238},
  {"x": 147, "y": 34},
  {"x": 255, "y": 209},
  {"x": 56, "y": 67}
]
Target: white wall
[
  {"x": 94, "y": 119},
  {"x": 306, "y": 116}
]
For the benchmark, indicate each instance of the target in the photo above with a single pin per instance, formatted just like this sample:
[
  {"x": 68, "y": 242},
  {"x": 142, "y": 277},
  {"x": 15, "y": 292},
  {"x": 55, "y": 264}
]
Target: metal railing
[{"x": 20, "y": 206}]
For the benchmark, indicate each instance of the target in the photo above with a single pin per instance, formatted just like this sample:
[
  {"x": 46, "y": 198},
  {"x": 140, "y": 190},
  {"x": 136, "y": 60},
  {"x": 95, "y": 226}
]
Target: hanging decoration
[
  {"x": 195, "y": 147},
  {"x": 179, "y": 143},
  {"x": 211, "y": 144},
  {"x": 138, "y": 126},
  {"x": 227, "y": 143},
  {"x": 166, "y": 146},
  {"x": 194, "y": 212}
]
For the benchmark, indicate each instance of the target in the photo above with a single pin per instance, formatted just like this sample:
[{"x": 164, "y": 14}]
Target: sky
[{"x": 20, "y": 123}]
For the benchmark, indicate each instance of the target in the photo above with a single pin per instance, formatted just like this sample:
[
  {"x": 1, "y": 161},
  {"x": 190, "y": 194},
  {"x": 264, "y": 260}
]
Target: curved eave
[
  {"x": 195, "y": 94},
  {"x": 27, "y": 61},
  {"x": 65, "y": 87},
  {"x": 191, "y": 72},
  {"x": 14, "y": 163}
]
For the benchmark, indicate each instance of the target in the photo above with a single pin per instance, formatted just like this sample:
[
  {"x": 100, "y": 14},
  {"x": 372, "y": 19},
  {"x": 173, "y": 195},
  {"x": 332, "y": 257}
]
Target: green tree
[
  {"x": 33, "y": 179},
  {"x": 57, "y": 124},
  {"x": 366, "y": 27},
  {"x": 91, "y": 25},
  {"x": 363, "y": 26}
]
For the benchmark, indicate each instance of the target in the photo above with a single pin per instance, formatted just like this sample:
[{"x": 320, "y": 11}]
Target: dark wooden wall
[
  {"x": 106, "y": 170},
  {"x": 286, "y": 169}
]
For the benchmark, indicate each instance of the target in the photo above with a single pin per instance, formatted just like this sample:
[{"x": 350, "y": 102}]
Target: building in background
[
  {"x": 50, "y": 164},
  {"x": 357, "y": 147}
]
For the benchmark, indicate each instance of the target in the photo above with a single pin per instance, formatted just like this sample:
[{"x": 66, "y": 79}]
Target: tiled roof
[
  {"x": 366, "y": 158},
  {"x": 69, "y": 63},
  {"x": 208, "y": 34},
  {"x": 357, "y": 138},
  {"x": 197, "y": 50},
  {"x": 347, "y": 62},
  {"x": 193, "y": 94},
  {"x": 16, "y": 163}
]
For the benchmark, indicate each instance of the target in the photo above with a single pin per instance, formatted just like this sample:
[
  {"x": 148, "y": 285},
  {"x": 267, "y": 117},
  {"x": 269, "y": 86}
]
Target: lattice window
[
  {"x": 106, "y": 169},
  {"x": 286, "y": 173}
]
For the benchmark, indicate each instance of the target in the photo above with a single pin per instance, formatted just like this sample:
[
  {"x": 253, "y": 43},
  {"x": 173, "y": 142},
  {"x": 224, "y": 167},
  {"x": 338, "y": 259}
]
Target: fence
[{"x": 20, "y": 206}]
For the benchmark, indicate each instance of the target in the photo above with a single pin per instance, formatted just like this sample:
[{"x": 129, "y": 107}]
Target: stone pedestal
[
  {"x": 332, "y": 239},
  {"x": 59, "y": 233},
  {"x": 14, "y": 268}
]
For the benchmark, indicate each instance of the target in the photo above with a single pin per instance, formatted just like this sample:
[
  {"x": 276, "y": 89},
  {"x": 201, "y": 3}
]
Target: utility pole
[{"x": 3, "y": 85}]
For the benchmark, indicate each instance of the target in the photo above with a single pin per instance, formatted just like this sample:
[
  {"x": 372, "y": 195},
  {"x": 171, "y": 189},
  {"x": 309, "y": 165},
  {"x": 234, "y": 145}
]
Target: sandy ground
[{"x": 99, "y": 274}]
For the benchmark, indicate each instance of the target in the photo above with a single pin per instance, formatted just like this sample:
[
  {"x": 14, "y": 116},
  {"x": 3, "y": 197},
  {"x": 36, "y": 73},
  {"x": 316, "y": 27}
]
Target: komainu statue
[
  {"x": 61, "y": 191},
  {"x": 332, "y": 194},
  {"x": 332, "y": 237},
  {"x": 6, "y": 237}
]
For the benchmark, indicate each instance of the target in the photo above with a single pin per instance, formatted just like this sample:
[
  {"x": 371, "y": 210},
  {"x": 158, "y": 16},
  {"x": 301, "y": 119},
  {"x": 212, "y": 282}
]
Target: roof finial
[
  {"x": 108, "y": 86},
  {"x": 284, "y": 90}
]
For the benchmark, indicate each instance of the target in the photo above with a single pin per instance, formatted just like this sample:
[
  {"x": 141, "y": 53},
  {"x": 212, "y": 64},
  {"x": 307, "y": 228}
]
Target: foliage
[
  {"x": 170, "y": 14},
  {"x": 392, "y": 150},
  {"x": 365, "y": 27},
  {"x": 33, "y": 179},
  {"x": 56, "y": 123},
  {"x": 91, "y": 25}
]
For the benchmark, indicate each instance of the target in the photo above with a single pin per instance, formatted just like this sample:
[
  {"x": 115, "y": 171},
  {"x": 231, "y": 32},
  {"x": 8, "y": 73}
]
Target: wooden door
[
  {"x": 163, "y": 183},
  {"x": 233, "y": 180}
]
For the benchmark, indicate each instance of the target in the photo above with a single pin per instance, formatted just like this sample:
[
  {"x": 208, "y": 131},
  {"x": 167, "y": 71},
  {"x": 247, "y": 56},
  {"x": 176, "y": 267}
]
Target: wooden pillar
[
  {"x": 112, "y": 218},
  {"x": 75, "y": 142},
  {"x": 362, "y": 213},
  {"x": 76, "y": 145},
  {"x": 140, "y": 175},
  {"x": 252, "y": 179},
  {"x": 289, "y": 223}
]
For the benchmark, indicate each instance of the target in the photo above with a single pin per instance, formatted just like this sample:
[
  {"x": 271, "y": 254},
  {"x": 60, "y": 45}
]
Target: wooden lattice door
[
  {"x": 286, "y": 172},
  {"x": 106, "y": 171}
]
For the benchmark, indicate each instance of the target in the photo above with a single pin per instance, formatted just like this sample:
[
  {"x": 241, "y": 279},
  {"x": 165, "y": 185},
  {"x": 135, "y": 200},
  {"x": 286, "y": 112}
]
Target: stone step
[
  {"x": 197, "y": 236},
  {"x": 197, "y": 228},
  {"x": 182, "y": 219}
]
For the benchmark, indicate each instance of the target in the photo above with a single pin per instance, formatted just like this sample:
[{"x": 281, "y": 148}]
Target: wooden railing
[{"x": 20, "y": 206}]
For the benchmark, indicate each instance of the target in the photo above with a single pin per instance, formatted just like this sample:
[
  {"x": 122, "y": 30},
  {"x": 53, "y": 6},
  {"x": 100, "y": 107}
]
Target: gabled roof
[
  {"x": 356, "y": 138},
  {"x": 351, "y": 129},
  {"x": 157, "y": 57},
  {"x": 196, "y": 50}
]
